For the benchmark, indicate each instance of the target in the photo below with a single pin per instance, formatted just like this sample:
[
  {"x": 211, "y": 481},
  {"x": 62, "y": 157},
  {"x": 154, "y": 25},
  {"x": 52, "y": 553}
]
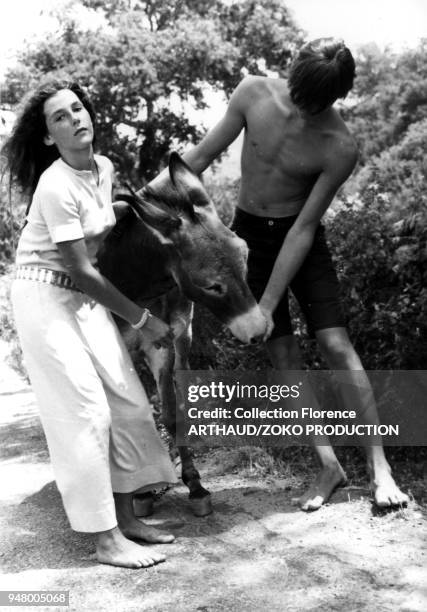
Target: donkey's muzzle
[{"x": 249, "y": 327}]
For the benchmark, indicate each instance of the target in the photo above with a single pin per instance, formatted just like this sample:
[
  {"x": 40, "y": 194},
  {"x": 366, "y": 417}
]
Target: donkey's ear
[
  {"x": 186, "y": 182},
  {"x": 160, "y": 222}
]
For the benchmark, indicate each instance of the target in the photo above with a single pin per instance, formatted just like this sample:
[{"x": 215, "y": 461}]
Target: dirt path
[{"x": 256, "y": 552}]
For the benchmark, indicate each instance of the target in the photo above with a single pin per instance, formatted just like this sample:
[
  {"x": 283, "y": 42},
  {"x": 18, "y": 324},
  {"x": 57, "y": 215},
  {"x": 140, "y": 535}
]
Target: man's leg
[
  {"x": 339, "y": 354},
  {"x": 285, "y": 355}
]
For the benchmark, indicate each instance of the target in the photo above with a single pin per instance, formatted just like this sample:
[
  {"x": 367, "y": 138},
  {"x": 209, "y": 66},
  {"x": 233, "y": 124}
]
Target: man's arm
[
  {"x": 219, "y": 137},
  {"x": 222, "y": 134},
  {"x": 300, "y": 237}
]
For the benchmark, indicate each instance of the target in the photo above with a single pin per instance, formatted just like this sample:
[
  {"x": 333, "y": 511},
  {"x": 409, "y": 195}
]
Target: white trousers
[{"x": 95, "y": 413}]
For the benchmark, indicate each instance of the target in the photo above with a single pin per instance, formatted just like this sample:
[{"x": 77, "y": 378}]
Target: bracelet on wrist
[{"x": 143, "y": 320}]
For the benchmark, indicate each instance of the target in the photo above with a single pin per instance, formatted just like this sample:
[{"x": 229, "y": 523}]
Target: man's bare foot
[
  {"x": 114, "y": 549},
  {"x": 386, "y": 492},
  {"x": 136, "y": 529},
  {"x": 329, "y": 478}
]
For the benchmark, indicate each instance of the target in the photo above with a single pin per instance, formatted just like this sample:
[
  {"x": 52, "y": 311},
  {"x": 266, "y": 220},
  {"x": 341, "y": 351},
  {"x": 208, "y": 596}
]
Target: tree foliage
[
  {"x": 390, "y": 94},
  {"x": 151, "y": 61}
]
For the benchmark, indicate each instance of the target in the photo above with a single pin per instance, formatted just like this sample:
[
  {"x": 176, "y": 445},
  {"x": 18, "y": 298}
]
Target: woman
[{"x": 94, "y": 411}]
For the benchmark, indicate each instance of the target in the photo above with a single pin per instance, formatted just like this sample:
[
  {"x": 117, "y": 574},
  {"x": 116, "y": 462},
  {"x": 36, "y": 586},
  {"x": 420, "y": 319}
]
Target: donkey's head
[{"x": 206, "y": 259}]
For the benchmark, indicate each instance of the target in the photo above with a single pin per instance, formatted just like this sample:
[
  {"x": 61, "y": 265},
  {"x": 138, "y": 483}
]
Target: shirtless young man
[{"x": 297, "y": 152}]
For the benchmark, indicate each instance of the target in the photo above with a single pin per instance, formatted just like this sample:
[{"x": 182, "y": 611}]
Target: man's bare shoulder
[
  {"x": 253, "y": 88},
  {"x": 343, "y": 146}
]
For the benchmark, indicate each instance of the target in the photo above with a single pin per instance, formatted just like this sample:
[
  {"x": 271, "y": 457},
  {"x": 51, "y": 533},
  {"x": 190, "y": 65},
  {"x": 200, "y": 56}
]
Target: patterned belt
[{"x": 44, "y": 275}]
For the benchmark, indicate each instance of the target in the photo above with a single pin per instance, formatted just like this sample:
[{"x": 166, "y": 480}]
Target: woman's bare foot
[
  {"x": 114, "y": 549},
  {"x": 328, "y": 479},
  {"x": 138, "y": 530},
  {"x": 133, "y": 528}
]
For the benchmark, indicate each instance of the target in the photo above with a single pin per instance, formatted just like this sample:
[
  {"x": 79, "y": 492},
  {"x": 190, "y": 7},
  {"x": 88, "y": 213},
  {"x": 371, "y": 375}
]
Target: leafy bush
[
  {"x": 11, "y": 220},
  {"x": 382, "y": 267},
  {"x": 379, "y": 242},
  {"x": 224, "y": 193}
]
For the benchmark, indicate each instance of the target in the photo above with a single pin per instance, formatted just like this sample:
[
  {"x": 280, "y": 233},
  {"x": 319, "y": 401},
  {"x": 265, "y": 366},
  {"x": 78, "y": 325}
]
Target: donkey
[{"x": 168, "y": 250}]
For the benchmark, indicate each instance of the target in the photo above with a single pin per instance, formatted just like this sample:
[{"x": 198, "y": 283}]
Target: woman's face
[{"x": 68, "y": 123}]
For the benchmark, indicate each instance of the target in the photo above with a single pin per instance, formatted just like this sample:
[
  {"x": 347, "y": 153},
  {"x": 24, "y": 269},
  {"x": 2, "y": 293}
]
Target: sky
[
  {"x": 386, "y": 22},
  {"x": 397, "y": 23}
]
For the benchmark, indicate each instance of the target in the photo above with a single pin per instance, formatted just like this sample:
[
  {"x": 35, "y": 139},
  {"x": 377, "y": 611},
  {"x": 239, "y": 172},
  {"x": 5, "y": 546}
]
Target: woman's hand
[
  {"x": 157, "y": 333},
  {"x": 121, "y": 208}
]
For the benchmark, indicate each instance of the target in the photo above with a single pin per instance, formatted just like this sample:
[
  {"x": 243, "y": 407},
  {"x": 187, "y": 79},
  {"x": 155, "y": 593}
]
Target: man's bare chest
[{"x": 285, "y": 146}]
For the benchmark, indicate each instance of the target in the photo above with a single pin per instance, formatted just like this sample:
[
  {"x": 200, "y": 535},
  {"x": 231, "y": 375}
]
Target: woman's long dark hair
[{"x": 26, "y": 154}]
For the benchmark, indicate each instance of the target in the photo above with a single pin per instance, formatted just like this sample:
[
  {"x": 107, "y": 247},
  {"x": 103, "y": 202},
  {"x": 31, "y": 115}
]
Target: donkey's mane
[
  {"x": 133, "y": 234},
  {"x": 172, "y": 200}
]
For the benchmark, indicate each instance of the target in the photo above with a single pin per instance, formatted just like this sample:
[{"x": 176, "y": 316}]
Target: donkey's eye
[{"x": 215, "y": 288}]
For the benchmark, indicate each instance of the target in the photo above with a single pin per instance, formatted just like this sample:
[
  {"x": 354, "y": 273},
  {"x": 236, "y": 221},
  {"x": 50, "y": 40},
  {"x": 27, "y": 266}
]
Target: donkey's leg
[
  {"x": 143, "y": 504},
  {"x": 200, "y": 498},
  {"x": 160, "y": 362}
]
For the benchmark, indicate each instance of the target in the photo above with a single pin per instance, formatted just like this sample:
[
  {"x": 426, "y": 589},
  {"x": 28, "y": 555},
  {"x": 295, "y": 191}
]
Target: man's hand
[{"x": 268, "y": 316}]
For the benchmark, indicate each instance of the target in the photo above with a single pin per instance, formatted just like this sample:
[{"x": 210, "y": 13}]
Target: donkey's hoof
[
  {"x": 201, "y": 506},
  {"x": 143, "y": 504}
]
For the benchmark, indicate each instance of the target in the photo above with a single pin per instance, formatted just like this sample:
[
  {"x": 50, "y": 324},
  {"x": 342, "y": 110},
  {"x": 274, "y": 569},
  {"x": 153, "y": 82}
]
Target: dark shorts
[{"x": 315, "y": 285}]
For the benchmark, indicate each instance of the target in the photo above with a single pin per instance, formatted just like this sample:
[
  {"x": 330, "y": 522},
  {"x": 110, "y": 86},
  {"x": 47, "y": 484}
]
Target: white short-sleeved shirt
[{"x": 67, "y": 204}]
